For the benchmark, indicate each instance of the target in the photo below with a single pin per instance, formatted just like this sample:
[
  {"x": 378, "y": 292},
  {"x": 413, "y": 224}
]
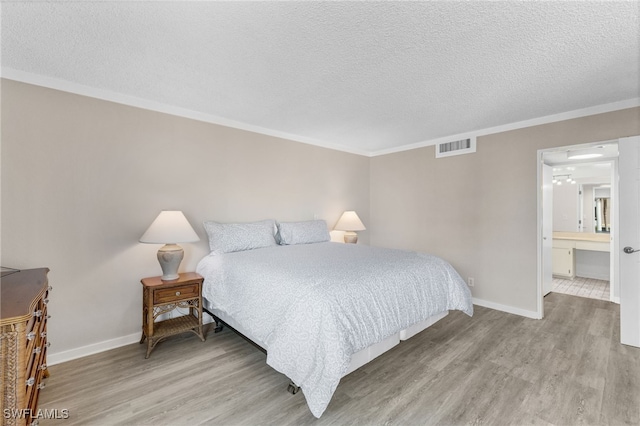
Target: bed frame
[{"x": 358, "y": 359}]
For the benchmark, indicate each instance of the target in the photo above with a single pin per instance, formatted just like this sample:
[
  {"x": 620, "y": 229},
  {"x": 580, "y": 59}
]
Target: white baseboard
[
  {"x": 595, "y": 275},
  {"x": 54, "y": 358},
  {"x": 505, "y": 308},
  {"x": 64, "y": 356}
]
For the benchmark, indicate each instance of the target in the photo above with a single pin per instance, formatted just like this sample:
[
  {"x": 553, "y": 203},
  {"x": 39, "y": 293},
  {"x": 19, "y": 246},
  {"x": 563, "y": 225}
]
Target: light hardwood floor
[{"x": 494, "y": 368}]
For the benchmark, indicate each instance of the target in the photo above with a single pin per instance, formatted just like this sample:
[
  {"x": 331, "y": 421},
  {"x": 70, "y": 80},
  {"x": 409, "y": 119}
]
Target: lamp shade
[
  {"x": 170, "y": 227},
  {"x": 349, "y": 221}
]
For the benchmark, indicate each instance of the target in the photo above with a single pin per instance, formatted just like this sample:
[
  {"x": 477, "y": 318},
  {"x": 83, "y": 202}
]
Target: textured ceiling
[{"x": 360, "y": 76}]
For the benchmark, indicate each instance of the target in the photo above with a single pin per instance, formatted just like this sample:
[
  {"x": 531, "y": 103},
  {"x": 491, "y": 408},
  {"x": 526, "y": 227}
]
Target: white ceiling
[
  {"x": 596, "y": 170},
  {"x": 358, "y": 76}
]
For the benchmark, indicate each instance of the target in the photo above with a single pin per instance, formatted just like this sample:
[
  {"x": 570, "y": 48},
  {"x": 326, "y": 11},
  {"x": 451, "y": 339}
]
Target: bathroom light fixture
[
  {"x": 558, "y": 179},
  {"x": 584, "y": 154}
]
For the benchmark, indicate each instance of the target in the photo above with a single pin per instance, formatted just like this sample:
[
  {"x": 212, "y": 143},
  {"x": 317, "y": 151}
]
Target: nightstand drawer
[{"x": 166, "y": 295}]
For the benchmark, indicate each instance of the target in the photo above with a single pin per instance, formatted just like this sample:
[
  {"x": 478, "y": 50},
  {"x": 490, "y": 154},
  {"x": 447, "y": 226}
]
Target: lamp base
[
  {"x": 170, "y": 256},
  {"x": 350, "y": 237}
]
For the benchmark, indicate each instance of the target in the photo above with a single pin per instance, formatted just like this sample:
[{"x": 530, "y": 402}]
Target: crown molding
[
  {"x": 111, "y": 96},
  {"x": 120, "y": 98},
  {"x": 578, "y": 113}
]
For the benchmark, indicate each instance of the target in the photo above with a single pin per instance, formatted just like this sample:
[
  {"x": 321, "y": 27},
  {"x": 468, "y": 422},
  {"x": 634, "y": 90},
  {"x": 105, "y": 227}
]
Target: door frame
[
  {"x": 614, "y": 280},
  {"x": 614, "y": 264}
]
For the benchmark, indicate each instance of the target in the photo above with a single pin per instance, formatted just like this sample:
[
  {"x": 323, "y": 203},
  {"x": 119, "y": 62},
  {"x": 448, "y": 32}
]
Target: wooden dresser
[{"x": 23, "y": 344}]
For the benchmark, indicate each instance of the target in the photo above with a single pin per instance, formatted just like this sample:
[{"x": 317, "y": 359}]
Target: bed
[{"x": 322, "y": 309}]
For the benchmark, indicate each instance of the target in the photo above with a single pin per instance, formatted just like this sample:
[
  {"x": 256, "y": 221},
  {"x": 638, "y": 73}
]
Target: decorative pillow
[
  {"x": 230, "y": 237},
  {"x": 310, "y": 231}
]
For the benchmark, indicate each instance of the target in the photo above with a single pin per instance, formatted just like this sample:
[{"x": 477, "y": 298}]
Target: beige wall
[
  {"x": 479, "y": 211},
  {"x": 82, "y": 179}
]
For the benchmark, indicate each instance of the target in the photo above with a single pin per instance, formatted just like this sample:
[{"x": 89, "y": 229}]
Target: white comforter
[{"x": 314, "y": 305}]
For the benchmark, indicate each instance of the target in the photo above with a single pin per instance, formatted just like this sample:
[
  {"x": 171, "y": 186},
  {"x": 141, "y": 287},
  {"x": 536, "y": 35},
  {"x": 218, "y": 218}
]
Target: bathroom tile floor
[{"x": 583, "y": 287}]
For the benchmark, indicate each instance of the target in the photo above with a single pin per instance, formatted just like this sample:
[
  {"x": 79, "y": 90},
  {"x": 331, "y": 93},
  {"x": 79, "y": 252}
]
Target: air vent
[{"x": 462, "y": 146}]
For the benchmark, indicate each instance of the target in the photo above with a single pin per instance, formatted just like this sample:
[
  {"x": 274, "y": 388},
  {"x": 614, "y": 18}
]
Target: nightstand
[{"x": 160, "y": 297}]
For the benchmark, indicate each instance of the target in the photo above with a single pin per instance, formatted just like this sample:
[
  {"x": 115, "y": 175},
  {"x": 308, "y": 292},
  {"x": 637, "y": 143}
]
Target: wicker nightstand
[{"x": 160, "y": 297}]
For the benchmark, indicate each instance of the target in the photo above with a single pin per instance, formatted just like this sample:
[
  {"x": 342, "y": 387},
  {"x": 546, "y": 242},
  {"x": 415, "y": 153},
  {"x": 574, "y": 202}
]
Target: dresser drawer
[
  {"x": 33, "y": 391},
  {"x": 167, "y": 295}
]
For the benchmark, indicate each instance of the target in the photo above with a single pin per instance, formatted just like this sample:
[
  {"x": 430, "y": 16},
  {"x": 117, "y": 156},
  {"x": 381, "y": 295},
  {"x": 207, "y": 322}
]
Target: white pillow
[
  {"x": 307, "y": 232},
  {"x": 230, "y": 237}
]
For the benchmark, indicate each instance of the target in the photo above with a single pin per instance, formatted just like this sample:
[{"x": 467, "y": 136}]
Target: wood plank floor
[{"x": 494, "y": 368}]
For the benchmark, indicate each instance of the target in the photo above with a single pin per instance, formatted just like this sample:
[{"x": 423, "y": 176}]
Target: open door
[
  {"x": 629, "y": 240},
  {"x": 547, "y": 229}
]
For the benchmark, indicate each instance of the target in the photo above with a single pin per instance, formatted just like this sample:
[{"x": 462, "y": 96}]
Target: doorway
[
  {"x": 577, "y": 207},
  {"x": 582, "y": 222}
]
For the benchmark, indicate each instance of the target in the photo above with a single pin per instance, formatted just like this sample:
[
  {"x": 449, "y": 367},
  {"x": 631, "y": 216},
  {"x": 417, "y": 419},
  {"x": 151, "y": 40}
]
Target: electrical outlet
[{"x": 471, "y": 281}]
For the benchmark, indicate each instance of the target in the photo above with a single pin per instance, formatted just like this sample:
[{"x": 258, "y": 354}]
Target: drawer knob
[
  {"x": 177, "y": 293},
  {"x": 37, "y": 313},
  {"x": 41, "y": 386},
  {"x": 50, "y": 288},
  {"x": 43, "y": 334},
  {"x": 31, "y": 336},
  {"x": 31, "y": 381},
  {"x": 46, "y": 301},
  {"x": 43, "y": 367},
  {"x": 37, "y": 350}
]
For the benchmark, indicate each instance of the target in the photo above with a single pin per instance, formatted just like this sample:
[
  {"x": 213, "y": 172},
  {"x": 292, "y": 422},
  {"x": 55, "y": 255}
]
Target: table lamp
[
  {"x": 350, "y": 222},
  {"x": 170, "y": 228}
]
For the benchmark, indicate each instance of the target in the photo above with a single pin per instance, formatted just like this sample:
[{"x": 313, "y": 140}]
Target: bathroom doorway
[{"x": 583, "y": 219}]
